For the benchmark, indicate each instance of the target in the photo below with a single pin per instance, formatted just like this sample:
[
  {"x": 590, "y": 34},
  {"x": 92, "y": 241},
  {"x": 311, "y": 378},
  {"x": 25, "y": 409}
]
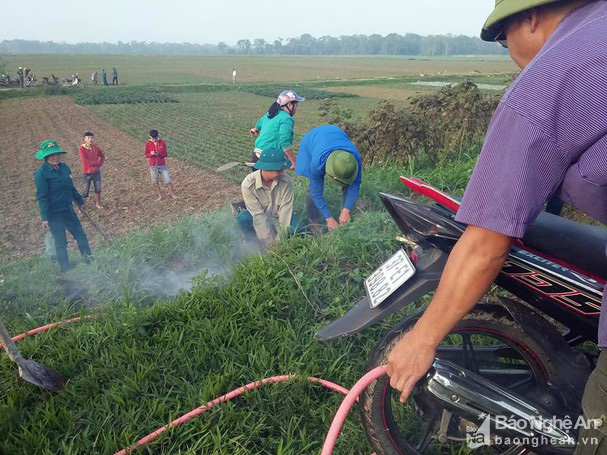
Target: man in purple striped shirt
[{"x": 548, "y": 136}]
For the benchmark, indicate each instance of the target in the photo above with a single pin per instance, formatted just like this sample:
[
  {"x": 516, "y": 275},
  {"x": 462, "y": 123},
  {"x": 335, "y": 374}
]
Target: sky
[{"x": 212, "y": 21}]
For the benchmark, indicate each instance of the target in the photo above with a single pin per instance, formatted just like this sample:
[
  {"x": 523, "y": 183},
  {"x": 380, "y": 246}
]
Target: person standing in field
[
  {"x": 327, "y": 150},
  {"x": 233, "y": 75},
  {"x": 156, "y": 152},
  {"x": 104, "y": 77},
  {"x": 56, "y": 194},
  {"x": 94, "y": 77},
  {"x": 275, "y": 128},
  {"x": 92, "y": 159},
  {"x": 20, "y": 77},
  {"x": 114, "y": 76}
]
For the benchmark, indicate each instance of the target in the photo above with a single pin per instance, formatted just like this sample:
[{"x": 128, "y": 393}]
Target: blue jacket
[{"x": 314, "y": 150}]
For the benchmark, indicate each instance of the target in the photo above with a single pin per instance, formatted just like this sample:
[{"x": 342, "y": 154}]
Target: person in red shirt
[
  {"x": 156, "y": 152},
  {"x": 92, "y": 159}
]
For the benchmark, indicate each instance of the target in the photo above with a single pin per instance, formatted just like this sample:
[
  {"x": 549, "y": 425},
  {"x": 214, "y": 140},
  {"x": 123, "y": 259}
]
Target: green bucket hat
[
  {"x": 272, "y": 160},
  {"x": 503, "y": 10},
  {"x": 47, "y": 148},
  {"x": 342, "y": 167}
]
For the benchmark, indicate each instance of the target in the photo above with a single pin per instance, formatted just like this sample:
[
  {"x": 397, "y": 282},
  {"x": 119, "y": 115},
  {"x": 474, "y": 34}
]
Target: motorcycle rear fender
[{"x": 429, "y": 269}]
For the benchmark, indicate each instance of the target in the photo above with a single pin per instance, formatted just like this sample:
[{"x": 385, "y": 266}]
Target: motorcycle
[
  {"x": 53, "y": 82},
  {"x": 522, "y": 357}
]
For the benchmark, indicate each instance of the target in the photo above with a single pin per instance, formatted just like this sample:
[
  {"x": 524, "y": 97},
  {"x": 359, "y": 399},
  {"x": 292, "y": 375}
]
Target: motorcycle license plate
[{"x": 391, "y": 275}]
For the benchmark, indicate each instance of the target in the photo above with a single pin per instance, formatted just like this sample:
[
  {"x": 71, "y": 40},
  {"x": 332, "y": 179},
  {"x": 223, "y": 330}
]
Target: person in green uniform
[
  {"x": 275, "y": 128},
  {"x": 56, "y": 193},
  {"x": 268, "y": 198}
]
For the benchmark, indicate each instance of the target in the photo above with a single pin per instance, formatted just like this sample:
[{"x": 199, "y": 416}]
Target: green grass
[{"x": 133, "y": 370}]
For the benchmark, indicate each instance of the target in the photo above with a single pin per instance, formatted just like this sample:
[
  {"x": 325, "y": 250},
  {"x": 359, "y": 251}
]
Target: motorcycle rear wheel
[{"x": 486, "y": 341}]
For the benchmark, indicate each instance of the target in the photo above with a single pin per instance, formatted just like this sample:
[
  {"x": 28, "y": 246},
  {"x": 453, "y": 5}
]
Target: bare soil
[{"x": 127, "y": 194}]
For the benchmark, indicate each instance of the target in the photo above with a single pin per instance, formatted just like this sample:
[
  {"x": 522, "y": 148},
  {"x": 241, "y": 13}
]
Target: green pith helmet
[
  {"x": 47, "y": 148},
  {"x": 503, "y": 10},
  {"x": 272, "y": 160},
  {"x": 342, "y": 167}
]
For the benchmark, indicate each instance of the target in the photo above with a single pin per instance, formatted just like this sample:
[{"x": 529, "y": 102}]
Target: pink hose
[
  {"x": 228, "y": 396},
  {"x": 351, "y": 397},
  {"x": 346, "y": 404},
  {"x": 44, "y": 328}
]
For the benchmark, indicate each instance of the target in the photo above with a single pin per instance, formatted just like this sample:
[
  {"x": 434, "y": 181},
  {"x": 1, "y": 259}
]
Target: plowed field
[{"x": 127, "y": 194}]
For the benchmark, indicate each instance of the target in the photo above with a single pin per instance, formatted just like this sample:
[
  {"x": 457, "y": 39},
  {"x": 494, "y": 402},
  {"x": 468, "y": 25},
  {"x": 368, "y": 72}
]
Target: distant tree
[
  {"x": 244, "y": 45},
  {"x": 374, "y": 44},
  {"x": 260, "y": 45},
  {"x": 222, "y": 47}
]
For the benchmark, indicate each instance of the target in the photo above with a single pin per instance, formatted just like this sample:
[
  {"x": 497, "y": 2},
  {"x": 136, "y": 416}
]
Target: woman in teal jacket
[{"x": 275, "y": 128}]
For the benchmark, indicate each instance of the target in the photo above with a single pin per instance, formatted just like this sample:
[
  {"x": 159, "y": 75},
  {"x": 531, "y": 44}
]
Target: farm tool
[
  {"x": 29, "y": 370},
  {"x": 95, "y": 225},
  {"x": 233, "y": 164}
]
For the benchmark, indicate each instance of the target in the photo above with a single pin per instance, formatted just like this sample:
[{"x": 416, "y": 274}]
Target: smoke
[{"x": 165, "y": 260}]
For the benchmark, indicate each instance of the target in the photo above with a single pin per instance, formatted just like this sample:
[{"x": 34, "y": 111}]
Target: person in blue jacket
[{"x": 327, "y": 150}]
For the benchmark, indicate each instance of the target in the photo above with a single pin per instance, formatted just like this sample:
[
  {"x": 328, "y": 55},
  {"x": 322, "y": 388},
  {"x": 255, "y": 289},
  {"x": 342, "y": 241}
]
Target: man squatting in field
[
  {"x": 55, "y": 192},
  {"x": 268, "y": 196},
  {"x": 547, "y": 136},
  {"x": 156, "y": 151},
  {"x": 92, "y": 159},
  {"x": 275, "y": 127},
  {"x": 328, "y": 150}
]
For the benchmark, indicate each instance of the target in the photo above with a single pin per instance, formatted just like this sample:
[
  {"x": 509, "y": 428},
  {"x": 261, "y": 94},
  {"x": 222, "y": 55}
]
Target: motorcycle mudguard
[{"x": 429, "y": 269}]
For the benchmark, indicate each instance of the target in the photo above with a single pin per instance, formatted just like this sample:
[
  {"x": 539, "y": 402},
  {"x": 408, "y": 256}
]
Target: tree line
[{"x": 306, "y": 44}]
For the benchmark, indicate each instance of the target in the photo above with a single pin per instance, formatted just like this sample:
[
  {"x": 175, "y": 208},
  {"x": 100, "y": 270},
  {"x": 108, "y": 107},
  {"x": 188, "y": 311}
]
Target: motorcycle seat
[{"x": 576, "y": 243}]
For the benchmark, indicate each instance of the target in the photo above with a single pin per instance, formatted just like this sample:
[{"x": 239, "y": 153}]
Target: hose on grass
[
  {"x": 44, "y": 328},
  {"x": 351, "y": 397}
]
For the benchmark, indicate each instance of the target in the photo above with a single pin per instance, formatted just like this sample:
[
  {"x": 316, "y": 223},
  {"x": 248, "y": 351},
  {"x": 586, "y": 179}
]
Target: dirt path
[{"x": 127, "y": 194}]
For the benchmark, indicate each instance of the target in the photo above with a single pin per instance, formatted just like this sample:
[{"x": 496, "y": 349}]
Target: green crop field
[
  {"x": 209, "y": 129},
  {"x": 149, "y": 355},
  {"x": 137, "y": 70}
]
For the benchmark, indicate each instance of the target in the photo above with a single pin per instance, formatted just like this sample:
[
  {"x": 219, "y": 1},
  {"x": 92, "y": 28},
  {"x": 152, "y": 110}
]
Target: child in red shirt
[
  {"x": 156, "y": 152},
  {"x": 92, "y": 158}
]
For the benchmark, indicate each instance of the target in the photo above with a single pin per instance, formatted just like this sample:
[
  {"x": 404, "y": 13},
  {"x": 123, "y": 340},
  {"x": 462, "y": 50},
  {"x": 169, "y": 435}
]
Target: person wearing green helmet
[
  {"x": 268, "y": 196},
  {"x": 56, "y": 193},
  {"x": 547, "y": 137},
  {"x": 327, "y": 151}
]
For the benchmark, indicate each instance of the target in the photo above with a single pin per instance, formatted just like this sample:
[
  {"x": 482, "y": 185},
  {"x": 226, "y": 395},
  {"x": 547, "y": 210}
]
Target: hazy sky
[{"x": 212, "y": 21}]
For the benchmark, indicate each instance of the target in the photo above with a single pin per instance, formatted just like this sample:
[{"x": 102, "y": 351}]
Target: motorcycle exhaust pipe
[{"x": 479, "y": 400}]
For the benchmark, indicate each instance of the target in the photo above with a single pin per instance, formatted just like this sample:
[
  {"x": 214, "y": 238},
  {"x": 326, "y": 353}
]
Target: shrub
[{"x": 435, "y": 127}]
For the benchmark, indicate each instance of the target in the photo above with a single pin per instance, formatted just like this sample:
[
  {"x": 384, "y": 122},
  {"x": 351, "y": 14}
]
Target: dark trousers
[
  {"x": 593, "y": 441},
  {"x": 115, "y": 80},
  {"x": 58, "y": 223},
  {"x": 314, "y": 215},
  {"x": 87, "y": 179},
  {"x": 554, "y": 206}
]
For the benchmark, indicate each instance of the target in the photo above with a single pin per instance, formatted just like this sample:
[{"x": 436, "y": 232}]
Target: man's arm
[
  {"x": 42, "y": 196},
  {"x": 101, "y": 157},
  {"x": 162, "y": 151},
  {"x": 472, "y": 266},
  {"x": 317, "y": 188}
]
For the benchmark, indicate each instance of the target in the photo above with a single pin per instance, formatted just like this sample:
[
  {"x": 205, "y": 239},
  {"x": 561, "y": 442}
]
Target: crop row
[{"x": 117, "y": 96}]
